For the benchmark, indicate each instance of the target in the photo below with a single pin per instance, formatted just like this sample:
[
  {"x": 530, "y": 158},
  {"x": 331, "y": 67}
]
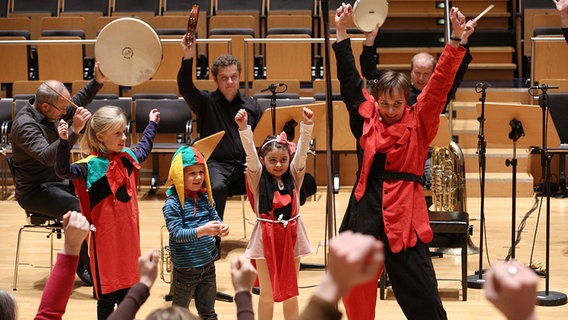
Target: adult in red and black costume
[{"x": 387, "y": 201}]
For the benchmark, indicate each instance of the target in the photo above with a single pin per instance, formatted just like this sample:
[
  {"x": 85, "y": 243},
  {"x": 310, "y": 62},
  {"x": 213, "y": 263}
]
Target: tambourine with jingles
[
  {"x": 191, "y": 25},
  {"x": 368, "y": 13},
  {"x": 129, "y": 51}
]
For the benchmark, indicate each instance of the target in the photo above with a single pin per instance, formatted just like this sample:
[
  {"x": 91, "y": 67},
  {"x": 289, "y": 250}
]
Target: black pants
[
  {"x": 107, "y": 302},
  {"x": 226, "y": 180},
  {"x": 54, "y": 200}
]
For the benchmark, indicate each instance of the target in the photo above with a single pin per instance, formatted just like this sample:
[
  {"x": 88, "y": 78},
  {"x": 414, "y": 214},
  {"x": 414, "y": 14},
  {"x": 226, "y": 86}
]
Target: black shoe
[
  {"x": 256, "y": 290},
  {"x": 85, "y": 276}
]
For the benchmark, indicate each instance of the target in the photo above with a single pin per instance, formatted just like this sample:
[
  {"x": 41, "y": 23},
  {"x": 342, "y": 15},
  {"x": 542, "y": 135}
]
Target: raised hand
[
  {"x": 308, "y": 115},
  {"x": 148, "y": 267},
  {"x": 76, "y": 227},
  {"x": 241, "y": 118},
  {"x": 154, "y": 115},
  {"x": 243, "y": 274}
]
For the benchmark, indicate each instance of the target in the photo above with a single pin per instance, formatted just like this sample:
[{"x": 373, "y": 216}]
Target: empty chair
[
  {"x": 14, "y": 57},
  {"x": 3, "y": 8},
  {"x": 6, "y": 106},
  {"x": 237, "y": 28},
  {"x": 79, "y": 7},
  {"x": 160, "y": 87},
  {"x": 123, "y": 103},
  {"x": 143, "y": 9},
  {"x": 278, "y": 65},
  {"x": 108, "y": 87},
  {"x": 63, "y": 62},
  {"x": 254, "y": 8},
  {"x": 176, "y": 126},
  {"x": 26, "y": 6}
]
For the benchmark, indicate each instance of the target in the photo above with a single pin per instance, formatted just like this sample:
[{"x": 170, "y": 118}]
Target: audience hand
[
  {"x": 511, "y": 287},
  {"x": 243, "y": 274},
  {"x": 63, "y": 130},
  {"x": 80, "y": 118},
  {"x": 308, "y": 115},
  {"x": 241, "y": 118},
  {"x": 75, "y": 227},
  {"x": 361, "y": 254},
  {"x": 148, "y": 267},
  {"x": 154, "y": 115}
]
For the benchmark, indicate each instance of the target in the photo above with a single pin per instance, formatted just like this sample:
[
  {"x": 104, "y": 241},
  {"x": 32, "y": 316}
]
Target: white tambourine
[{"x": 368, "y": 13}]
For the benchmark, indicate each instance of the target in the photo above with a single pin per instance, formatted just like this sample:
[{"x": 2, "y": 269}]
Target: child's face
[
  {"x": 193, "y": 177},
  {"x": 276, "y": 162},
  {"x": 114, "y": 140}
]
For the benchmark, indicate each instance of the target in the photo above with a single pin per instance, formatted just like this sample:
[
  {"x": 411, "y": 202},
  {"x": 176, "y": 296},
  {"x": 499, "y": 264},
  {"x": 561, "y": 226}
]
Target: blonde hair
[{"x": 106, "y": 119}]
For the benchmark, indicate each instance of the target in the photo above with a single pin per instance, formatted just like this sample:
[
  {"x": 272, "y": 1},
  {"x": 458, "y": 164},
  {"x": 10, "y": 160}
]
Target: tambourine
[
  {"x": 129, "y": 51},
  {"x": 368, "y": 13},
  {"x": 191, "y": 25}
]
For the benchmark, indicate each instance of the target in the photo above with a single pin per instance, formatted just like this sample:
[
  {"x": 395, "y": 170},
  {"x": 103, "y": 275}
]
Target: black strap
[{"x": 389, "y": 175}]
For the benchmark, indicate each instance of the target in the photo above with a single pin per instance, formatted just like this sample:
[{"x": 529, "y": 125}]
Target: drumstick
[
  {"x": 62, "y": 96},
  {"x": 484, "y": 12}
]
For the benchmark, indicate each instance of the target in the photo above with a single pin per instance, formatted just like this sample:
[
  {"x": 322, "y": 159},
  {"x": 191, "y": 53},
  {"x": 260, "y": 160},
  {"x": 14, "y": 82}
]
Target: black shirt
[{"x": 215, "y": 113}]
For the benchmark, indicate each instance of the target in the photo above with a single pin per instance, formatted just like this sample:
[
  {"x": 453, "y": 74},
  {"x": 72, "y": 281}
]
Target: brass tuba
[
  {"x": 448, "y": 178},
  {"x": 448, "y": 186},
  {"x": 166, "y": 266}
]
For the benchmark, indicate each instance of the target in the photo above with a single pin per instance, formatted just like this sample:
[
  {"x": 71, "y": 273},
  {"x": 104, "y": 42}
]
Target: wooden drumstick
[
  {"x": 62, "y": 96},
  {"x": 484, "y": 12}
]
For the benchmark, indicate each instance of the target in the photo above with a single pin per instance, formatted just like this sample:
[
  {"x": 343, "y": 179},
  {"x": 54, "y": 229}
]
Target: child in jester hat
[{"x": 193, "y": 224}]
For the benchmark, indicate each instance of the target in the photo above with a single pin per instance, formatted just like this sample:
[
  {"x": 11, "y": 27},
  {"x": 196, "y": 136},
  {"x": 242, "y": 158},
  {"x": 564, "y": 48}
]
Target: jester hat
[{"x": 183, "y": 157}]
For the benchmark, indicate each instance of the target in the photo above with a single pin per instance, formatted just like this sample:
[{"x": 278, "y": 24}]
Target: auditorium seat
[
  {"x": 254, "y": 8},
  {"x": 63, "y": 62},
  {"x": 142, "y": 9},
  {"x": 14, "y": 57}
]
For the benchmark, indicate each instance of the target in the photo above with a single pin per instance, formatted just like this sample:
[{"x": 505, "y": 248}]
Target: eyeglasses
[{"x": 56, "y": 108}]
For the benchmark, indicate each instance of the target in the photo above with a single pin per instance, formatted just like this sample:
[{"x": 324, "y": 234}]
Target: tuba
[
  {"x": 448, "y": 178},
  {"x": 448, "y": 186},
  {"x": 166, "y": 266}
]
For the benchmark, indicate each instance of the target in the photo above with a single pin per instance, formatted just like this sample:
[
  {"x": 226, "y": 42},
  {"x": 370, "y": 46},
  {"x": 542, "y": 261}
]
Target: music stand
[
  {"x": 514, "y": 122},
  {"x": 283, "y": 115}
]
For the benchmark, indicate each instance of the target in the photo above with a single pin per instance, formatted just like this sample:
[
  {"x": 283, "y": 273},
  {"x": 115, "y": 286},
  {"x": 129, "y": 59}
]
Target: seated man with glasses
[{"x": 34, "y": 141}]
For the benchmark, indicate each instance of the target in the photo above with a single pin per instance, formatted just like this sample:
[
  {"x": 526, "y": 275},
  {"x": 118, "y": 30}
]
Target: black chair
[
  {"x": 123, "y": 103},
  {"x": 3, "y": 8},
  {"x": 126, "y": 6},
  {"x": 27, "y": 6},
  {"x": 184, "y": 6},
  {"x": 75, "y": 6},
  {"x": 175, "y": 119},
  {"x": 37, "y": 223},
  {"x": 5, "y": 147},
  {"x": 451, "y": 230}
]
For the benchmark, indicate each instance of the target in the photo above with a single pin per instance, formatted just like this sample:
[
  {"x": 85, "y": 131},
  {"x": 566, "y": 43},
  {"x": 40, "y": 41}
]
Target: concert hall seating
[{"x": 142, "y": 9}]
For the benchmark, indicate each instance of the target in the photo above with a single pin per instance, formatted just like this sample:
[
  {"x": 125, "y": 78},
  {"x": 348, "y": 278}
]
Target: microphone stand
[
  {"x": 547, "y": 297},
  {"x": 476, "y": 281},
  {"x": 516, "y": 132},
  {"x": 273, "y": 107}
]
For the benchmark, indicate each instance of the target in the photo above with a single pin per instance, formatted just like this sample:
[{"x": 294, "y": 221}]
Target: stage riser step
[{"x": 499, "y": 185}]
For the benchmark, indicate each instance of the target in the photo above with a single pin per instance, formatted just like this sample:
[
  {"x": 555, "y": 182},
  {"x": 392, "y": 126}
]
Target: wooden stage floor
[{"x": 35, "y": 252}]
